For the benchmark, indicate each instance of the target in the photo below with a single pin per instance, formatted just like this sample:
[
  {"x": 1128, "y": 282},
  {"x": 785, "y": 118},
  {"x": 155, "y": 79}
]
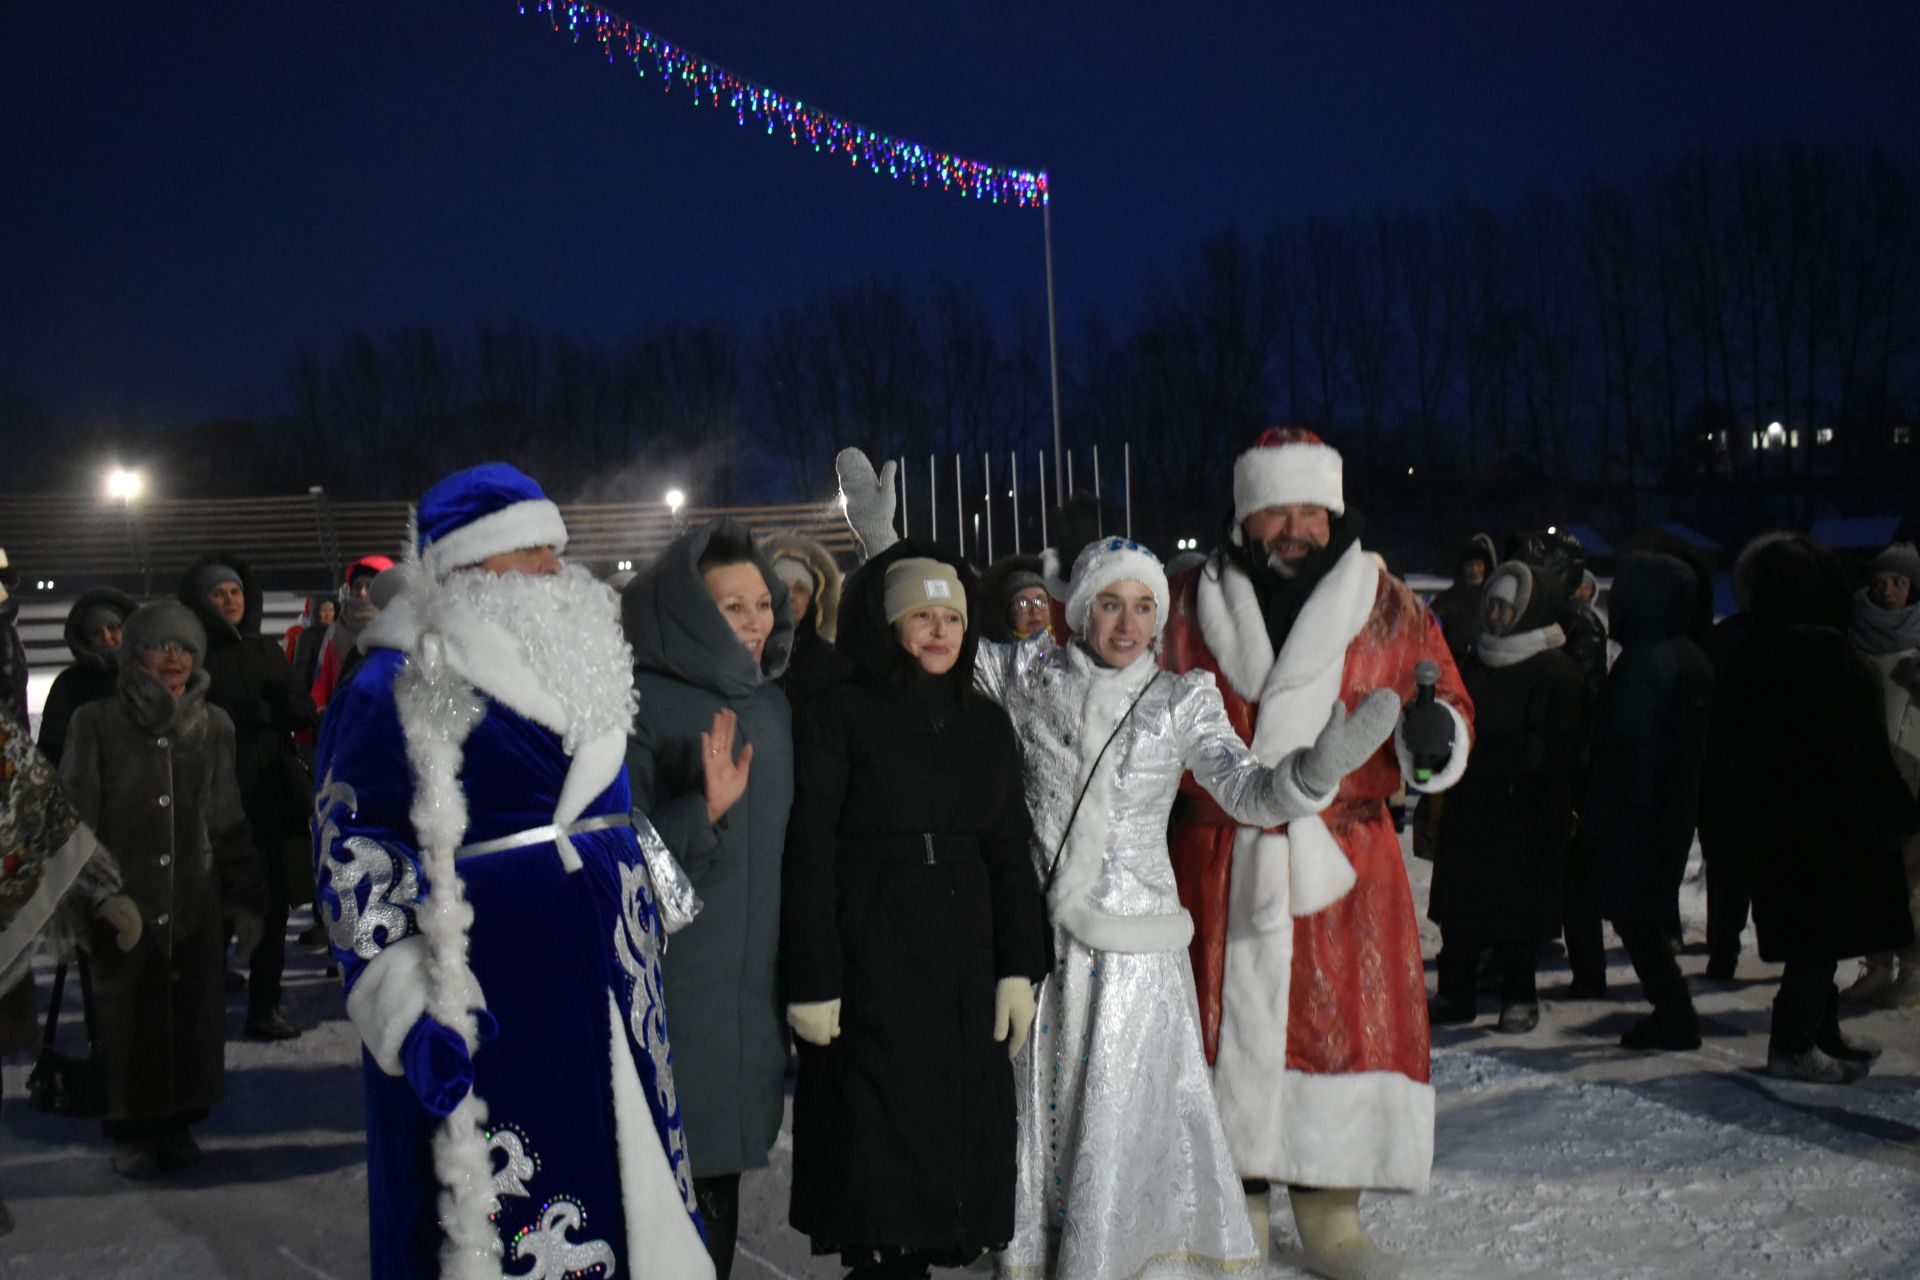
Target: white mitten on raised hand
[
  {"x": 1013, "y": 1009},
  {"x": 1347, "y": 742},
  {"x": 869, "y": 501},
  {"x": 817, "y": 1023},
  {"x": 121, "y": 914}
]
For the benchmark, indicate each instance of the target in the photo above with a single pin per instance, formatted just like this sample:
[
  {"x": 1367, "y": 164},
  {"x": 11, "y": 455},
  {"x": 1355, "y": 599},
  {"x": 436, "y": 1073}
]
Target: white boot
[
  {"x": 1875, "y": 980},
  {"x": 1260, "y": 1211},
  {"x": 1335, "y": 1243}
]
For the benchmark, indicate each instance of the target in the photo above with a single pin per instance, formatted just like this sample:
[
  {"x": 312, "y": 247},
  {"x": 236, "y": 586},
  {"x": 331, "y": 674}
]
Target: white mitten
[
  {"x": 869, "y": 501},
  {"x": 1347, "y": 741},
  {"x": 1013, "y": 1009},
  {"x": 121, "y": 914},
  {"x": 817, "y": 1023}
]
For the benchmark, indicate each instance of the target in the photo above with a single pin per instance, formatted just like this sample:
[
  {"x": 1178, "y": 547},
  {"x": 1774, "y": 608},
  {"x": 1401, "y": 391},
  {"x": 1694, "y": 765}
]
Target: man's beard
[
  {"x": 1288, "y": 568},
  {"x": 568, "y": 625}
]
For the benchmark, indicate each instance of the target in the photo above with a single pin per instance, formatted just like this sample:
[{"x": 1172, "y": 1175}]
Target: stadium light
[{"x": 124, "y": 484}]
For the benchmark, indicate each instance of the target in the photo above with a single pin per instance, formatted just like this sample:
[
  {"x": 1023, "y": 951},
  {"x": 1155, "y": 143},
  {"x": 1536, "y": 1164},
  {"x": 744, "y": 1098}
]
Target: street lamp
[{"x": 126, "y": 486}]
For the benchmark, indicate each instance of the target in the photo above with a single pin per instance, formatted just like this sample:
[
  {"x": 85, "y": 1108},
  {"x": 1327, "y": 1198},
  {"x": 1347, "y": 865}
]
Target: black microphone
[{"x": 1429, "y": 729}]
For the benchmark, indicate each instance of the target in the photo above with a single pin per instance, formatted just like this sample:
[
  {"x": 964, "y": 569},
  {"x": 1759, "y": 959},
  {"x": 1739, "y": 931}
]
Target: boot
[
  {"x": 137, "y": 1160},
  {"x": 1837, "y": 1044},
  {"x": 1260, "y": 1212},
  {"x": 1721, "y": 964},
  {"x": 1875, "y": 980},
  {"x": 178, "y": 1150},
  {"x": 1812, "y": 1066},
  {"x": 1335, "y": 1243},
  {"x": 1664, "y": 1029},
  {"x": 1519, "y": 1017},
  {"x": 1445, "y": 1011}
]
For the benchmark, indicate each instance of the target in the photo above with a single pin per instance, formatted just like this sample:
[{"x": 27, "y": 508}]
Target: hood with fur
[
  {"x": 114, "y": 599},
  {"x": 825, "y": 613},
  {"x": 216, "y": 625}
]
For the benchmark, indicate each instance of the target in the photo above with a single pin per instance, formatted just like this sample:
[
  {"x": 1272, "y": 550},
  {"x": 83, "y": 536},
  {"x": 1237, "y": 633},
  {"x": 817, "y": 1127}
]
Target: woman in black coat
[
  {"x": 1501, "y": 864},
  {"x": 911, "y": 929},
  {"x": 93, "y": 636},
  {"x": 1825, "y": 864}
]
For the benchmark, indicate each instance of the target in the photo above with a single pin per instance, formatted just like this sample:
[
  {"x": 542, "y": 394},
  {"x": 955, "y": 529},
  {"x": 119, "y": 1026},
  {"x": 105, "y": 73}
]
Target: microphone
[{"x": 1428, "y": 729}]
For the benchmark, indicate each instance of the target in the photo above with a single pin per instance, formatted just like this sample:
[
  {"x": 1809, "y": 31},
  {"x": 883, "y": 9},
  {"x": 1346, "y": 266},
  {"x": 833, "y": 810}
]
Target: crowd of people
[{"x": 1069, "y": 894}]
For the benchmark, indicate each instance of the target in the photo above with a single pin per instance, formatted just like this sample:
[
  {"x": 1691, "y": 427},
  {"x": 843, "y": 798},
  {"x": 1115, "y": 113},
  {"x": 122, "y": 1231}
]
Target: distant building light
[
  {"x": 1793, "y": 438},
  {"x": 1823, "y": 436},
  {"x": 1903, "y": 435}
]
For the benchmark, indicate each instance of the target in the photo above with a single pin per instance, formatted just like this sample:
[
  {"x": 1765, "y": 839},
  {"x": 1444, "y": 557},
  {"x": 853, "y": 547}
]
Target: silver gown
[{"x": 1124, "y": 1168}]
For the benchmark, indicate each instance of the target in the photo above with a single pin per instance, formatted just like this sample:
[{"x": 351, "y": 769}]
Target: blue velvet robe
[{"x": 545, "y": 945}]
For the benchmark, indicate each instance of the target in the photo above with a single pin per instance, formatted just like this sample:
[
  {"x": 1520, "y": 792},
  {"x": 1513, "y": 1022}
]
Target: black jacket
[
  {"x": 1500, "y": 867},
  {"x": 908, "y": 892},
  {"x": 1824, "y": 853},
  {"x": 13, "y": 661},
  {"x": 1649, "y": 744},
  {"x": 253, "y": 683},
  {"x": 92, "y": 676}
]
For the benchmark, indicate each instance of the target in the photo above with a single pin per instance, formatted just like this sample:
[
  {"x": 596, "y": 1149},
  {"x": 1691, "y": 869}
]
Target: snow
[{"x": 1559, "y": 1155}]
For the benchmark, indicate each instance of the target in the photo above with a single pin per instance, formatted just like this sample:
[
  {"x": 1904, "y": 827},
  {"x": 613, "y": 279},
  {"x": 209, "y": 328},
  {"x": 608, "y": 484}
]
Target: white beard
[{"x": 568, "y": 627}]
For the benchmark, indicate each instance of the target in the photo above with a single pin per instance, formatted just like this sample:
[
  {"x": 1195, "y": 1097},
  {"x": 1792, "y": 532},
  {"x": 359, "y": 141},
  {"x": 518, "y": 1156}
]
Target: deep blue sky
[{"x": 186, "y": 189}]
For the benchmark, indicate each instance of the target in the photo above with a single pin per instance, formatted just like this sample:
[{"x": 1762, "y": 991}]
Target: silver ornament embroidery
[
  {"x": 393, "y": 886},
  {"x": 553, "y": 1255},
  {"x": 511, "y": 1178},
  {"x": 635, "y": 943}
]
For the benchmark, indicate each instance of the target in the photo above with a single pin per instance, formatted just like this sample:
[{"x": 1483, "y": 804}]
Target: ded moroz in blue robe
[{"x": 589, "y": 1161}]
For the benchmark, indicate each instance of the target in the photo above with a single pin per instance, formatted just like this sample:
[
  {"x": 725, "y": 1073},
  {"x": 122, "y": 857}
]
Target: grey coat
[
  {"x": 155, "y": 780},
  {"x": 723, "y": 1003}
]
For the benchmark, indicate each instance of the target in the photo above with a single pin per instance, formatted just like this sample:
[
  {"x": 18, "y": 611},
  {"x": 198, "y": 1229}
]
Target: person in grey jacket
[
  {"x": 712, "y": 630},
  {"x": 152, "y": 773}
]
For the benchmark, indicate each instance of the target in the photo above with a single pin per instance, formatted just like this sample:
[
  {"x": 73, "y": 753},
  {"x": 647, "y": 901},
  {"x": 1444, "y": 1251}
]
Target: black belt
[{"x": 927, "y": 848}]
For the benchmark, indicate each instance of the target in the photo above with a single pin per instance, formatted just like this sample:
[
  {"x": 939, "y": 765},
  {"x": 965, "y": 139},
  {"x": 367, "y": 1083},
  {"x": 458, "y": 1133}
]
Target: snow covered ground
[{"x": 1560, "y": 1155}]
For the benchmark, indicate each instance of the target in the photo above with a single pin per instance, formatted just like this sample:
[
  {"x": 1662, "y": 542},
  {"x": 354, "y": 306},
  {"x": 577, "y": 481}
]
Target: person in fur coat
[
  {"x": 1313, "y": 997},
  {"x": 1500, "y": 869},
  {"x": 487, "y": 898}
]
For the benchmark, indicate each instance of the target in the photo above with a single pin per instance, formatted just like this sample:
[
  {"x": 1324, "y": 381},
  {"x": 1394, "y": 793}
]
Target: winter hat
[
  {"x": 1900, "y": 558},
  {"x": 917, "y": 582},
  {"x": 1286, "y": 465},
  {"x": 484, "y": 511},
  {"x": 370, "y": 567},
  {"x": 209, "y": 576},
  {"x": 160, "y": 623},
  {"x": 1512, "y": 583},
  {"x": 1111, "y": 560},
  {"x": 100, "y": 614},
  {"x": 1020, "y": 580},
  {"x": 792, "y": 569}
]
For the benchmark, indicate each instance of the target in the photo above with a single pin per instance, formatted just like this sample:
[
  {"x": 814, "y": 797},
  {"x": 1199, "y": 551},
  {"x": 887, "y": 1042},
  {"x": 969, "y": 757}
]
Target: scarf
[
  {"x": 1876, "y": 632},
  {"x": 1282, "y": 597},
  {"x": 1516, "y": 647}
]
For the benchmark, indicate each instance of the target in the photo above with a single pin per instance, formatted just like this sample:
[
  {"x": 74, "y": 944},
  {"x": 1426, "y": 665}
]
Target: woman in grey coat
[
  {"x": 151, "y": 771},
  {"x": 712, "y": 630}
]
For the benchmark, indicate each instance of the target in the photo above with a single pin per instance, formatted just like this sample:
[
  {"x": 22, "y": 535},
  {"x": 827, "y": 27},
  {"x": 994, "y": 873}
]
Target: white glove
[
  {"x": 1013, "y": 1010},
  {"x": 1347, "y": 742},
  {"x": 121, "y": 914},
  {"x": 817, "y": 1023},
  {"x": 869, "y": 501}
]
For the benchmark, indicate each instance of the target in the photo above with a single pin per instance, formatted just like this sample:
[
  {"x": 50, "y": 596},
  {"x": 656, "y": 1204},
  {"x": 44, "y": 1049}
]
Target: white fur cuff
[
  {"x": 389, "y": 998},
  {"x": 1131, "y": 935},
  {"x": 1456, "y": 763},
  {"x": 514, "y": 528},
  {"x": 1320, "y": 873}
]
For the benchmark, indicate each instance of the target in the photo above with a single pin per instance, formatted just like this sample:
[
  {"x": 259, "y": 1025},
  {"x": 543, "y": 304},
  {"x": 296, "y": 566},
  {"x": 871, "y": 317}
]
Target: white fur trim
[
  {"x": 592, "y": 770},
  {"x": 661, "y": 1238},
  {"x": 1132, "y": 935},
  {"x": 1256, "y": 987},
  {"x": 1319, "y": 873},
  {"x": 1367, "y": 1129},
  {"x": 1233, "y": 627},
  {"x": 1456, "y": 763},
  {"x": 487, "y": 656},
  {"x": 388, "y": 998},
  {"x": 1054, "y": 574},
  {"x": 1276, "y": 475},
  {"x": 534, "y": 523},
  {"x": 1104, "y": 569}
]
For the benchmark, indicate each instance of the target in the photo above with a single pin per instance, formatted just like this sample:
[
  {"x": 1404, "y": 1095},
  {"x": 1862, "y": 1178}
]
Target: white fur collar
[
  {"x": 1517, "y": 647},
  {"x": 1236, "y": 631}
]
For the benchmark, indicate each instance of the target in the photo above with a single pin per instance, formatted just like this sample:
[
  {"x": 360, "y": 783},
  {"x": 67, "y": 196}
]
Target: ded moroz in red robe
[{"x": 1306, "y": 948}]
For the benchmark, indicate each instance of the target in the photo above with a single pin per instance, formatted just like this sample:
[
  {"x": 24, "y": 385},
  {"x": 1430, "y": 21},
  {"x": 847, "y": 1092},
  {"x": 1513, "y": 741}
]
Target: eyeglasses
[
  {"x": 1029, "y": 606},
  {"x": 170, "y": 648}
]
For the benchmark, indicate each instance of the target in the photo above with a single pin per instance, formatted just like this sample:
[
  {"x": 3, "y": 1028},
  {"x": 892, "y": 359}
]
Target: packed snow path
[{"x": 1560, "y": 1155}]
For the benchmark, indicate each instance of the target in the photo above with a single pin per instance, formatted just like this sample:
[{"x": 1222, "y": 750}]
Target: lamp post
[
  {"x": 675, "y": 500},
  {"x": 126, "y": 486}
]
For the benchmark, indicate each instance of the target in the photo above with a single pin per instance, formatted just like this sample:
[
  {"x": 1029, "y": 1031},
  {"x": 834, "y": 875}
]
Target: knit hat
[
  {"x": 484, "y": 511},
  {"x": 1111, "y": 560},
  {"x": 917, "y": 582},
  {"x": 1020, "y": 580},
  {"x": 102, "y": 613},
  {"x": 792, "y": 569},
  {"x": 209, "y": 576},
  {"x": 1900, "y": 558},
  {"x": 1286, "y": 465},
  {"x": 163, "y": 622}
]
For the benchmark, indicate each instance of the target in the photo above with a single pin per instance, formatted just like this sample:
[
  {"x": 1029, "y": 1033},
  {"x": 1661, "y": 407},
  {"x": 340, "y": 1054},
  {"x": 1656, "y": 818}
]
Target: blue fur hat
[{"x": 485, "y": 511}]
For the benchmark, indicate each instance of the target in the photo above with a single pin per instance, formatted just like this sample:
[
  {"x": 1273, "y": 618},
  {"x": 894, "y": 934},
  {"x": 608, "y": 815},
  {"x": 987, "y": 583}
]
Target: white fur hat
[
  {"x": 1286, "y": 465},
  {"x": 1111, "y": 560}
]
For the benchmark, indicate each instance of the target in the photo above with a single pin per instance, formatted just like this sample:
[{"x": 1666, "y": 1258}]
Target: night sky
[{"x": 187, "y": 189}]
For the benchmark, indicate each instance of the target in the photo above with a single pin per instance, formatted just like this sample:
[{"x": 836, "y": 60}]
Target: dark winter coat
[
  {"x": 94, "y": 675},
  {"x": 154, "y": 779},
  {"x": 1649, "y": 745},
  {"x": 724, "y": 1014},
  {"x": 814, "y": 663},
  {"x": 1500, "y": 867},
  {"x": 1825, "y": 858},
  {"x": 13, "y": 660},
  {"x": 1458, "y": 607},
  {"x": 252, "y": 682},
  {"x": 909, "y": 891}
]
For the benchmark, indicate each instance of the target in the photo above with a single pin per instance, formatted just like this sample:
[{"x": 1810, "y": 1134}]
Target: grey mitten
[
  {"x": 1347, "y": 741},
  {"x": 869, "y": 501}
]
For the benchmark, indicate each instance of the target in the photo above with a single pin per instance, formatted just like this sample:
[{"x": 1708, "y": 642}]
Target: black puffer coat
[
  {"x": 1500, "y": 868},
  {"x": 253, "y": 683},
  {"x": 908, "y": 892},
  {"x": 1649, "y": 745},
  {"x": 1825, "y": 859},
  {"x": 94, "y": 675}
]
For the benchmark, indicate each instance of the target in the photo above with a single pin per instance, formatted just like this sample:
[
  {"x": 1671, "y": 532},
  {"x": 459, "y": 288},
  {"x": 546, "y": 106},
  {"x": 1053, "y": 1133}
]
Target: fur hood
[
  {"x": 789, "y": 544},
  {"x": 217, "y": 626},
  {"x": 112, "y": 597}
]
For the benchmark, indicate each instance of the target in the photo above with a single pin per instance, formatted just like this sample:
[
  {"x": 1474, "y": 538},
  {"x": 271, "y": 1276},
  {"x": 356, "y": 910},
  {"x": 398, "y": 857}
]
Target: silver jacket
[{"x": 1113, "y": 887}]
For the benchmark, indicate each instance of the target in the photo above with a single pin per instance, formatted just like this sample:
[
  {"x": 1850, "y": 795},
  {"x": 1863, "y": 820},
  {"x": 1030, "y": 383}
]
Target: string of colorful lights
[{"x": 863, "y": 147}]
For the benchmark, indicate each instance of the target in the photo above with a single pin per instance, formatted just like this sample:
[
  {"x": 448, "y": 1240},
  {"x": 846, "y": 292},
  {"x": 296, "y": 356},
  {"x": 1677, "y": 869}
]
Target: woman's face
[
  {"x": 228, "y": 601},
  {"x": 933, "y": 636},
  {"x": 324, "y": 614},
  {"x": 170, "y": 664},
  {"x": 1892, "y": 590},
  {"x": 740, "y": 593},
  {"x": 1120, "y": 625},
  {"x": 800, "y": 593},
  {"x": 1028, "y": 610},
  {"x": 1499, "y": 617}
]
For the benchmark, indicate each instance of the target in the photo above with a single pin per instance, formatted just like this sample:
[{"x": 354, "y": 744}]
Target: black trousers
[
  {"x": 1729, "y": 897},
  {"x": 268, "y": 963},
  {"x": 1586, "y": 945},
  {"x": 1653, "y": 960},
  {"x": 148, "y": 1129},
  {"x": 719, "y": 1201},
  {"x": 1806, "y": 996},
  {"x": 1459, "y": 968}
]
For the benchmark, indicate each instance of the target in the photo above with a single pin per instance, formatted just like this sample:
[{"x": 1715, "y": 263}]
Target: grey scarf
[{"x": 1876, "y": 631}]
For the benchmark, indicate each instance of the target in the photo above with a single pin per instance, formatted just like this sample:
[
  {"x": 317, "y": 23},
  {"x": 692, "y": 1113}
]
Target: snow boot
[
  {"x": 1445, "y": 1011},
  {"x": 1260, "y": 1212},
  {"x": 1838, "y": 1045},
  {"x": 1875, "y": 980},
  {"x": 1812, "y": 1066},
  {"x": 1519, "y": 1017},
  {"x": 1585, "y": 989},
  {"x": 140, "y": 1160},
  {"x": 1721, "y": 964},
  {"x": 1335, "y": 1243},
  {"x": 178, "y": 1150},
  {"x": 1665, "y": 1030}
]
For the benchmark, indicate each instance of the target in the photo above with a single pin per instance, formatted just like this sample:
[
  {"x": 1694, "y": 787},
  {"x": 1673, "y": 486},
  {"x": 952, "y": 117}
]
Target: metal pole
[
  {"x": 933, "y": 500},
  {"x": 1126, "y": 462},
  {"x": 1014, "y": 458},
  {"x": 902, "y": 469},
  {"x": 1043, "y": 500},
  {"x": 1096, "y": 473},
  {"x": 1053, "y": 351},
  {"x": 986, "y": 469},
  {"x": 1072, "y": 488},
  {"x": 959, "y": 510}
]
